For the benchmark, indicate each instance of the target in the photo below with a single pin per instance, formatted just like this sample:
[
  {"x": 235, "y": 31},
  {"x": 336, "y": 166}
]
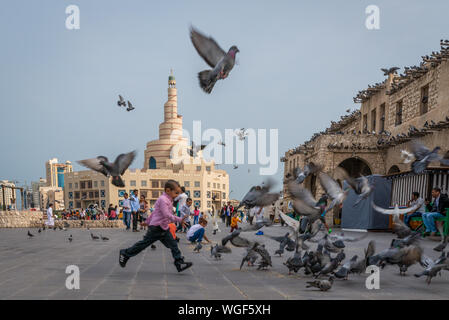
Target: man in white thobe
[{"x": 50, "y": 220}]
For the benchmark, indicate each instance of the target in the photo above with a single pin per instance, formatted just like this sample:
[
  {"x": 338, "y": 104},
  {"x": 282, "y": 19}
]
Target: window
[
  {"x": 208, "y": 184},
  {"x": 424, "y": 99},
  {"x": 77, "y": 194},
  {"x": 102, "y": 193},
  {"x": 197, "y": 184},
  {"x": 197, "y": 203},
  {"x": 209, "y": 204},
  {"x": 224, "y": 186},
  {"x": 382, "y": 117},
  {"x": 215, "y": 185},
  {"x": 208, "y": 168},
  {"x": 224, "y": 195},
  {"x": 83, "y": 195},
  {"x": 197, "y": 194},
  {"x": 70, "y": 185},
  {"x": 154, "y": 184},
  {"x": 133, "y": 183},
  {"x": 96, "y": 194},
  {"x": 398, "y": 113},
  {"x": 78, "y": 204},
  {"x": 91, "y": 194},
  {"x": 102, "y": 183},
  {"x": 89, "y": 184},
  {"x": 103, "y": 204},
  {"x": 154, "y": 194},
  {"x": 82, "y": 184},
  {"x": 208, "y": 194},
  {"x": 95, "y": 184},
  {"x": 71, "y": 204},
  {"x": 373, "y": 120},
  {"x": 70, "y": 195},
  {"x": 198, "y": 168},
  {"x": 188, "y": 193},
  {"x": 76, "y": 185},
  {"x": 186, "y": 183},
  {"x": 121, "y": 193},
  {"x": 143, "y": 183},
  {"x": 152, "y": 163}
]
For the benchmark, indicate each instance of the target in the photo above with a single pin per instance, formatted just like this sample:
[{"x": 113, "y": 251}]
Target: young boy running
[{"x": 158, "y": 228}]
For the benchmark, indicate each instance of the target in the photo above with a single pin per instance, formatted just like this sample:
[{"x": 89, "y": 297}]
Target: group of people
[
  {"x": 92, "y": 213},
  {"x": 428, "y": 210}
]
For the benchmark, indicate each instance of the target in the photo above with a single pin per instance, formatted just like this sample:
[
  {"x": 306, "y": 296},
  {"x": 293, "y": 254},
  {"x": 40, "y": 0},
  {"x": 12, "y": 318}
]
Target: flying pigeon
[
  {"x": 193, "y": 151},
  {"x": 241, "y": 133},
  {"x": 389, "y": 71},
  {"x": 221, "y": 62},
  {"x": 333, "y": 189},
  {"x": 433, "y": 267},
  {"x": 236, "y": 167},
  {"x": 424, "y": 156},
  {"x": 121, "y": 102},
  {"x": 130, "y": 107},
  {"x": 309, "y": 169},
  {"x": 361, "y": 187},
  {"x": 259, "y": 196},
  {"x": 222, "y": 143},
  {"x": 407, "y": 156},
  {"x": 395, "y": 211},
  {"x": 101, "y": 164}
]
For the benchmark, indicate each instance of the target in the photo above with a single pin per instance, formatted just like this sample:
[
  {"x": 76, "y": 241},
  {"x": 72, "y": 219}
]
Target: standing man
[
  {"x": 126, "y": 211},
  {"x": 229, "y": 212},
  {"x": 50, "y": 220},
  {"x": 135, "y": 207},
  {"x": 440, "y": 204}
]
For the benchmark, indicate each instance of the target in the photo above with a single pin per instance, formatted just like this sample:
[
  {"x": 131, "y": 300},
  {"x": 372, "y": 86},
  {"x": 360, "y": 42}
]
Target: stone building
[
  {"x": 7, "y": 194},
  {"x": 208, "y": 187},
  {"x": 53, "y": 195},
  {"x": 402, "y": 108}
]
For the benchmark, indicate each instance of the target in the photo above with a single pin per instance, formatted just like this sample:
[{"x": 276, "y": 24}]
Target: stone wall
[{"x": 34, "y": 219}]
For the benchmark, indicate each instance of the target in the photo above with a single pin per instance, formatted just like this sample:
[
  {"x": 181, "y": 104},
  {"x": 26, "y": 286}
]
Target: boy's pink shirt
[{"x": 163, "y": 213}]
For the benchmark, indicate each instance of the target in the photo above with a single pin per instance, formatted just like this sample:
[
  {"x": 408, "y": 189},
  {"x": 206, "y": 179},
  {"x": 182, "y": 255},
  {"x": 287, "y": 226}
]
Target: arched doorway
[
  {"x": 355, "y": 167},
  {"x": 393, "y": 169},
  {"x": 152, "y": 164}
]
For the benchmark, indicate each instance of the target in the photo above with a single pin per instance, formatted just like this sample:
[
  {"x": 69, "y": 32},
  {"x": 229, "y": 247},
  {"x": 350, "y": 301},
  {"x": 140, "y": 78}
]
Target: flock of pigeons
[
  {"x": 65, "y": 228},
  {"x": 121, "y": 103}
]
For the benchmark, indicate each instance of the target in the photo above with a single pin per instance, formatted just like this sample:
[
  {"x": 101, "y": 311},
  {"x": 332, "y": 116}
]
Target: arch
[
  {"x": 152, "y": 163},
  {"x": 394, "y": 169},
  {"x": 356, "y": 167}
]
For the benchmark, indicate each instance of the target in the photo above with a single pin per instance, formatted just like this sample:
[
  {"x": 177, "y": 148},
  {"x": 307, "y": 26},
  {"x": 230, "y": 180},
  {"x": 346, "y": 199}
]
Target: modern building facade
[
  {"x": 164, "y": 158},
  {"x": 7, "y": 194},
  {"x": 402, "y": 108},
  {"x": 36, "y": 198},
  {"x": 55, "y": 172}
]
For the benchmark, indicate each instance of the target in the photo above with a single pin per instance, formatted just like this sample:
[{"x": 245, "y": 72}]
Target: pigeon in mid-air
[
  {"x": 332, "y": 189},
  {"x": 407, "y": 156},
  {"x": 389, "y": 71},
  {"x": 425, "y": 156},
  {"x": 309, "y": 169},
  {"x": 433, "y": 267},
  {"x": 236, "y": 166},
  {"x": 193, "y": 151},
  {"x": 121, "y": 102},
  {"x": 222, "y": 143},
  {"x": 361, "y": 187},
  {"x": 101, "y": 164},
  {"x": 130, "y": 107},
  {"x": 221, "y": 62},
  {"x": 241, "y": 133},
  {"x": 259, "y": 196},
  {"x": 396, "y": 211}
]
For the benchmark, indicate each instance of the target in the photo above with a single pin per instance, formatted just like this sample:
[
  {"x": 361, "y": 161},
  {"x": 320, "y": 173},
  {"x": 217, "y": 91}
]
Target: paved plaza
[{"x": 35, "y": 269}]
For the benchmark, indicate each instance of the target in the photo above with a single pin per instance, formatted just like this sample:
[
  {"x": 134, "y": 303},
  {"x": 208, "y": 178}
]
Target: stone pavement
[{"x": 35, "y": 269}]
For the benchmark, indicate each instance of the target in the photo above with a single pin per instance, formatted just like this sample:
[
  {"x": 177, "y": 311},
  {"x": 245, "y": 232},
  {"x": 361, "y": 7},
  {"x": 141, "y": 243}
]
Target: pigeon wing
[
  {"x": 330, "y": 185},
  {"x": 301, "y": 193},
  {"x": 124, "y": 160},
  {"x": 294, "y": 224},
  {"x": 95, "y": 164},
  {"x": 206, "y": 47},
  {"x": 419, "y": 150}
]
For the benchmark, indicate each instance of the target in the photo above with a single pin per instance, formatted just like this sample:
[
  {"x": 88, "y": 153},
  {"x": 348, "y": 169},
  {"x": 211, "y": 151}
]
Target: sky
[{"x": 299, "y": 66}]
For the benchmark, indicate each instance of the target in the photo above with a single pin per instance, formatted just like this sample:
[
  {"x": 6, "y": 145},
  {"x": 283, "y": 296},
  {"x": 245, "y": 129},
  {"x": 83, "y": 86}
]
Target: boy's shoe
[
  {"x": 177, "y": 239},
  {"x": 181, "y": 265},
  {"x": 122, "y": 259}
]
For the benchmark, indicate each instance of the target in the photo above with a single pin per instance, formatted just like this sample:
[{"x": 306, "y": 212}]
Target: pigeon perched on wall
[
  {"x": 221, "y": 62},
  {"x": 101, "y": 164},
  {"x": 121, "y": 102},
  {"x": 389, "y": 71}
]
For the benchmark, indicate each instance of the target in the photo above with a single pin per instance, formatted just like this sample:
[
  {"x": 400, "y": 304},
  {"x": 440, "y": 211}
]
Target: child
[
  {"x": 234, "y": 221},
  {"x": 196, "y": 214},
  {"x": 196, "y": 233},
  {"x": 158, "y": 228},
  {"x": 185, "y": 212}
]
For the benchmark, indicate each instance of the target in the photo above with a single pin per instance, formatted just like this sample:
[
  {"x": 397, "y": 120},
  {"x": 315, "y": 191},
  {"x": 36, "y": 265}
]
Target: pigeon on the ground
[
  {"x": 402, "y": 257},
  {"x": 323, "y": 285},
  {"x": 54, "y": 228},
  {"x": 230, "y": 236},
  {"x": 433, "y": 267},
  {"x": 198, "y": 247},
  {"x": 400, "y": 228},
  {"x": 70, "y": 238},
  {"x": 214, "y": 252},
  {"x": 354, "y": 265},
  {"x": 39, "y": 230},
  {"x": 101, "y": 164},
  {"x": 442, "y": 244},
  {"x": 94, "y": 237},
  {"x": 121, "y": 102},
  {"x": 221, "y": 62},
  {"x": 130, "y": 107},
  {"x": 424, "y": 157},
  {"x": 104, "y": 238},
  {"x": 406, "y": 241},
  {"x": 30, "y": 234}
]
